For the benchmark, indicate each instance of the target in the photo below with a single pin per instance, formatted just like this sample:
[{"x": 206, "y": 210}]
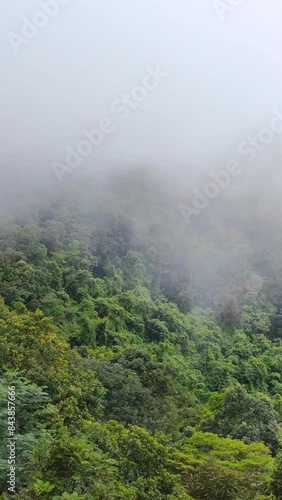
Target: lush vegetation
[{"x": 146, "y": 354}]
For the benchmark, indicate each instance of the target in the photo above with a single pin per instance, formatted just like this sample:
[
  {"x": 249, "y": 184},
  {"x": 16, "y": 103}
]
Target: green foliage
[
  {"x": 276, "y": 483},
  {"x": 147, "y": 359},
  {"x": 219, "y": 468},
  {"x": 242, "y": 416}
]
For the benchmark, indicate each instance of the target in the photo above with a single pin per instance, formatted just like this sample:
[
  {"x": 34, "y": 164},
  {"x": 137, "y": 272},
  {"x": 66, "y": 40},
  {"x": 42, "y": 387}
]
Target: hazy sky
[{"x": 225, "y": 78}]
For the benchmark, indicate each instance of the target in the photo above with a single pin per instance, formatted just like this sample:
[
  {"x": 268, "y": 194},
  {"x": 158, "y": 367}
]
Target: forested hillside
[{"x": 146, "y": 354}]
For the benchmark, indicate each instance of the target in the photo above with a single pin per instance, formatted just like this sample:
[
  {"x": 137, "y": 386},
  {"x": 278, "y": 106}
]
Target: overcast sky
[{"x": 225, "y": 78}]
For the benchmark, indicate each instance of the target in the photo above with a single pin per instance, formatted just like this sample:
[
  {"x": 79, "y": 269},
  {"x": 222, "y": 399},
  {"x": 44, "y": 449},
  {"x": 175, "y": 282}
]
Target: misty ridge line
[
  {"x": 224, "y": 7},
  {"x": 39, "y": 20},
  {"x": 248, "y": 148},
  {"x": 121, "y": 106}
]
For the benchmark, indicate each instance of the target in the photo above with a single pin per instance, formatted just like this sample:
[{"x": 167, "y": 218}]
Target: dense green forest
[{"x": 146, "y": 354}]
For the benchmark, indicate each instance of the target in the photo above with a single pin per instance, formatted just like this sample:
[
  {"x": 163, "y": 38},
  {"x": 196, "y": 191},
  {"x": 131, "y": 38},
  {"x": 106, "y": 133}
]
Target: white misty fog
[{"x": 65, "y": 63}]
